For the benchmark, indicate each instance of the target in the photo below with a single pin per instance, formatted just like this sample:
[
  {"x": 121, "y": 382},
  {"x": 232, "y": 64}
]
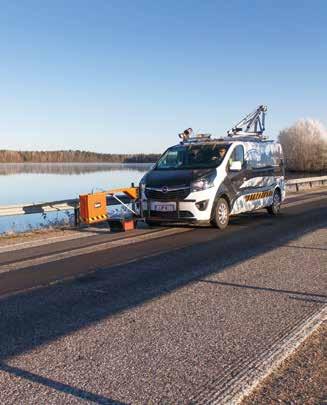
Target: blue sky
[{"x": 127, "y": 76}]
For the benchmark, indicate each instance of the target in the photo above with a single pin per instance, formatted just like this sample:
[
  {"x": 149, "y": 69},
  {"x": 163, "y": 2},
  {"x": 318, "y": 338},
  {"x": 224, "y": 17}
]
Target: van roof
[{"x": 228, "y": 140}]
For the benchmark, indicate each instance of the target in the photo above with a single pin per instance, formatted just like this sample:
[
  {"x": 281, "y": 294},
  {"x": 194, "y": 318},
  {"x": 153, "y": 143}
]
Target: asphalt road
[{"x": 168, "y": 320}]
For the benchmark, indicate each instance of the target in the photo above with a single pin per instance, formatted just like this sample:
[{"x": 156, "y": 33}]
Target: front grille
[
  {"x": 171, "y": 214},
  {"x": 171, "y": 195}
]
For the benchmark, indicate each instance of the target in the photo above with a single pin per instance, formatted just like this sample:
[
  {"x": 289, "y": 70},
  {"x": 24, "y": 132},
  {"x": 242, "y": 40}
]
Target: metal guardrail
[
  {"x": 305, "y": 183},
  {"x": 39, "y": 208},
  {"x": 72, "y": 204},
  {"x": 52, "y": 206}
]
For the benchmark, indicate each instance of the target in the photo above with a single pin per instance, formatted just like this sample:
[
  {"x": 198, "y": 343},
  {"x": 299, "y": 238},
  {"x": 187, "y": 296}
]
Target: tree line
[
  {"x": 304, "y": 145},
  {"x": 73, "y": 156}
]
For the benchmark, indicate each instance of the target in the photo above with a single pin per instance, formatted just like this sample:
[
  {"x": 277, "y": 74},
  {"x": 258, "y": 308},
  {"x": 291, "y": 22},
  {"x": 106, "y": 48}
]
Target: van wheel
[
  {"x": 274, "y": 208},
  {"x": 221, "y": 214}
]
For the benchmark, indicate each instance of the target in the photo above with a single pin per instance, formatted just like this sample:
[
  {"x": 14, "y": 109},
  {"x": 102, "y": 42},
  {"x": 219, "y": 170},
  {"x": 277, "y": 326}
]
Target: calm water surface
[{"x": 34, "y": 183}]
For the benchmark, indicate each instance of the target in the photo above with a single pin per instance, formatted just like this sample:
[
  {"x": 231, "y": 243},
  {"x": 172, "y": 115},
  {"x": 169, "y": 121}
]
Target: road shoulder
[{"x": 301, "y": 378}]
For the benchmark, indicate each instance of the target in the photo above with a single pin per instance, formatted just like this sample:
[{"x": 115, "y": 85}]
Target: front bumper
[
  {"x": 187, "y": 210},
  {"x": 182, "y": 213}
]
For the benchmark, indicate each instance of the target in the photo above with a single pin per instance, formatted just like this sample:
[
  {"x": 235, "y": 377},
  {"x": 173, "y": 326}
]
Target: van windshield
[{"x": 192, "y": 157}]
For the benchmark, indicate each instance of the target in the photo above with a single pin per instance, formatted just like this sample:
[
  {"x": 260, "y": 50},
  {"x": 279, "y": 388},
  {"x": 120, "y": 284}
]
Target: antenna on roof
[{"x": 252, "y": 125}]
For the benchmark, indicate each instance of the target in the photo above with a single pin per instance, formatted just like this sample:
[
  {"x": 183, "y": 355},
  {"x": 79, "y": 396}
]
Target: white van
[{"x": 204, "y": 180}]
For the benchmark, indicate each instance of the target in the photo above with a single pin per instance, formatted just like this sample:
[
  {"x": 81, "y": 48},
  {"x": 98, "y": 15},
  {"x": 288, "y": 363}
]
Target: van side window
[
  {"x": 237, "y": 155},
  {"x": 265, "y": 155}
]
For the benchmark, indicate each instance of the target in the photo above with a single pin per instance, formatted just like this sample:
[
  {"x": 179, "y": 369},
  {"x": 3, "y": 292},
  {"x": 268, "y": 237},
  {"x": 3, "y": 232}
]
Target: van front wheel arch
[{"x": 220, "y": 215}]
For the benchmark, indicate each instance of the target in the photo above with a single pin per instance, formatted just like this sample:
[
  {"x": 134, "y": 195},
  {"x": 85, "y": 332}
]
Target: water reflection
[
  {"x": 8, "y": 169},
  {"x": 33, "y": 183}
]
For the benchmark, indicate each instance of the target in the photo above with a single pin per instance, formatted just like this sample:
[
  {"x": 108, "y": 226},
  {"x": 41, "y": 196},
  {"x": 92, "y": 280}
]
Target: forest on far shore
[{"x": 73, "y": 156}]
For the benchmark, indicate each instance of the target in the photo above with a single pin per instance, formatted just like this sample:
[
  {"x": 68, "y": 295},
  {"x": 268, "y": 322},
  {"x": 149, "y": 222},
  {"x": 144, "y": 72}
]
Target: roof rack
[{"x": 188, "y": 136}]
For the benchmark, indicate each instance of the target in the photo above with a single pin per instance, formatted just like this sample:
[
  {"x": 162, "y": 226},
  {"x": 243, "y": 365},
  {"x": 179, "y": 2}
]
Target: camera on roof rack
[{"x": 186, "y": 134}]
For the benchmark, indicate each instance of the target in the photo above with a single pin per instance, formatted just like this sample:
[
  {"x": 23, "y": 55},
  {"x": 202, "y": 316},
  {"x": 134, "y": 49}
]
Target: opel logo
[{"x": 164, "y": 189}]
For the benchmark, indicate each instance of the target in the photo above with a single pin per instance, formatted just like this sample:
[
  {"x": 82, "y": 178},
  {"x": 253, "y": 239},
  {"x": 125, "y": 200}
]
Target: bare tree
[{"x": 305, "y": 146}]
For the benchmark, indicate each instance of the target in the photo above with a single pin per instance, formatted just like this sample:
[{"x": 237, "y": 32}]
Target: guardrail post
[
  {"x": 133, "y": 201},
  {"x": 77, "y": 220}
]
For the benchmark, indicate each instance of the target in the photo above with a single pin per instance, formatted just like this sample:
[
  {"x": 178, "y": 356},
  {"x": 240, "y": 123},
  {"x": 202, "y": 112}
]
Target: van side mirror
[{"x": 235, "y": 166}]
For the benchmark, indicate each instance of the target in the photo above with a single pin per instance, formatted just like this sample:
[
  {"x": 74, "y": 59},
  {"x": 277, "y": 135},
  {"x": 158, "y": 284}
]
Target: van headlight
[{"x": 203, "y": 183}]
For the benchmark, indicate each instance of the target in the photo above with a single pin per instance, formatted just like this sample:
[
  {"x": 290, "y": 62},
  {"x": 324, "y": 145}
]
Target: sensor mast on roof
[{"x": 252, "y": 125}]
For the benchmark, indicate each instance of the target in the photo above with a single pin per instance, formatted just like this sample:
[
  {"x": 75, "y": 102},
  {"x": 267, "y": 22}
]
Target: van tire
[
  {"x": 221, "y": 214},
  {"x": 274, "y": 208}
]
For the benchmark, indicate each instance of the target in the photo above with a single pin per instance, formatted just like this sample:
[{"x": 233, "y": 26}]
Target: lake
[{"x": 40, "y": 182}]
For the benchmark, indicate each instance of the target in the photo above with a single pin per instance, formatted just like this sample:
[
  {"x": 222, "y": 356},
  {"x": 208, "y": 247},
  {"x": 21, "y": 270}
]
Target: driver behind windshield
[
  {"x": 222, "y": 153},
  {"x": 192, "y": 157}
]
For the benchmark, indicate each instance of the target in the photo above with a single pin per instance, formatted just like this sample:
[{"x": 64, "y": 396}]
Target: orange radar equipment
[{"x": 93, "y": 208}]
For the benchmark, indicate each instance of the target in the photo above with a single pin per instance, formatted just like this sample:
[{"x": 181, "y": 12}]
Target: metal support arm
[{"x": 252, "y": 124}]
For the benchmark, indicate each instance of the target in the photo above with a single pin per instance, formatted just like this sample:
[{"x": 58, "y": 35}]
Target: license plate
[{"x": 164, "y": 207}]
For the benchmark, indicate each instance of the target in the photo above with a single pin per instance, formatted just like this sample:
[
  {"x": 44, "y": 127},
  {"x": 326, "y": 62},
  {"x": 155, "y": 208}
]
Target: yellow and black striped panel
[
  {"x": 258, "y": 196},
  {"x": 97, "y": 218}
]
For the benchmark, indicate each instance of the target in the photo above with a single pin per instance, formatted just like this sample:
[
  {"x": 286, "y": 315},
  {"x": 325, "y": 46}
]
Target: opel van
[{"x": 204, "y": 180}]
